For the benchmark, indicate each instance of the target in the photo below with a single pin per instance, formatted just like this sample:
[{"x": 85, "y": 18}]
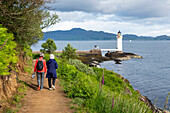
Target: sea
[{"x": 150, "y": 75}]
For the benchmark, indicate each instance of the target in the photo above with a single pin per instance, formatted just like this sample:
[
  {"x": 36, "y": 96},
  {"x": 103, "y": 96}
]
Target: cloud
[
  {"x": 125, "y": 8},
  {"x": 79, "y": 16},
  {"x": 140, "y": 17},
  {"x": 76, "y": 5},
  {"x": 113, "y": 27}
]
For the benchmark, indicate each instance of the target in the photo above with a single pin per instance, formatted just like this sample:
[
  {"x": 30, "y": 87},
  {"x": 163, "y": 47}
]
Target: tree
[
  {"x": 69, "y": 52},
  {"x": 25, "y": 19},
  {"x": 49, "y": 46}
]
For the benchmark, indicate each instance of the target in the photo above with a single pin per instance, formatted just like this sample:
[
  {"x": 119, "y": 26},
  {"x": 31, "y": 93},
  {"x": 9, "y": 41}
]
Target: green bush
[
  {"x": 69, "y": 52},
  {"x": 47, "y": 57},
  {"x": 75, "y": 83},
  {"x": 27, "y": 51},
  {"x": 49, "y": 46},
  {"x": 81, "y": 67},
  {"x": 35, "y": 55},
  {"x": 7, "y": 51}
]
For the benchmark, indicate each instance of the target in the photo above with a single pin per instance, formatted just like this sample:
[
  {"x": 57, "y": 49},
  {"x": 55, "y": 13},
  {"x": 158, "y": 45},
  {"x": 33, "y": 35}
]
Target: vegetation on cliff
[
  {"x": 98, "y": 90},
  {"x": 7, "y": 51},
  {"x": 23, "y": 21},
  {"x": 21, "y": 24}
]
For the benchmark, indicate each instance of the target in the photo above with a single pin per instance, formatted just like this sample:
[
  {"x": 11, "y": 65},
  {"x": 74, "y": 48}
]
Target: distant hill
[{"x": 81, "y": 34}]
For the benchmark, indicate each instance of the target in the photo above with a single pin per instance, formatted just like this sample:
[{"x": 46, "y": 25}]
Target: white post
[{"x": 119, "y": 42}]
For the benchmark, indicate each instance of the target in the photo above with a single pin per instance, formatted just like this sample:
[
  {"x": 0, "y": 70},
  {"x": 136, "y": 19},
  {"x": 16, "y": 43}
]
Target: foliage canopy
[
  {"x": 25, "y": 19},
  {"x": 69, "y": 52},
  {"x": 49, "y": 46}
]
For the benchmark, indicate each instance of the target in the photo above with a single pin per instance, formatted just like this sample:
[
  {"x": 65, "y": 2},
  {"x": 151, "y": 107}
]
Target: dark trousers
[{"x": 49, "y": 81}]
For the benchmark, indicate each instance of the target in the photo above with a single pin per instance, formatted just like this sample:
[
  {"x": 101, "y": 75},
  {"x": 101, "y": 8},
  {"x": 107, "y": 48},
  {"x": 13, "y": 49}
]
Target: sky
[{"x": 139, "y": 17}]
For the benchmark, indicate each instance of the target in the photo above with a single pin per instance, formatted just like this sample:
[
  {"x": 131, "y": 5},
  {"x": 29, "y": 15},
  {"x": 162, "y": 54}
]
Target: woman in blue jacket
[{"x": 51, "y": 72}]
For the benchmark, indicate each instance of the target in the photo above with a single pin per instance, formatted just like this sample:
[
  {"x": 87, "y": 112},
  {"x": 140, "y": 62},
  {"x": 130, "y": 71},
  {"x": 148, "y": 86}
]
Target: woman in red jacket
[{"x": 41, "y": 69}]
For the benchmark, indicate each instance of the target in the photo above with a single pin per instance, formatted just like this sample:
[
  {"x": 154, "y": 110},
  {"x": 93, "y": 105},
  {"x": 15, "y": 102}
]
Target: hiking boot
[
  {"x": 50, "y": 88},
  {"x": 39, "y": 88},
  {"x": 53, "y": 87}
]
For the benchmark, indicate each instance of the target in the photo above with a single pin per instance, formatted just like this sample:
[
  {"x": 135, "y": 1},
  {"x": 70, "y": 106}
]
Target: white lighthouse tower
[{"x": 119, "y": 42}]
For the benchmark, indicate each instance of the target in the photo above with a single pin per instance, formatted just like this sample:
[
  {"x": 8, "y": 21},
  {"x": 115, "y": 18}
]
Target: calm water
[{"x": 151, "y": 75}]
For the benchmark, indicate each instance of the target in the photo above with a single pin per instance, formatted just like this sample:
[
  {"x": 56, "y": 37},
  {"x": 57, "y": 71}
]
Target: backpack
[{"x": 40, "y": 65}]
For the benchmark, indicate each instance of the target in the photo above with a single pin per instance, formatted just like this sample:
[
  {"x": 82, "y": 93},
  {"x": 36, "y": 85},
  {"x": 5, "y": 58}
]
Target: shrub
[
  {"x": 35, "y": 55},
  {"x": 81, "y": 67},
  {"x": 7, "y": 52},
  {"x": 47, "y": 57},
  {"x": 69, "y": 52},
  {"x": 27, "y": 51},
  {"x": 49, "y": 46}
]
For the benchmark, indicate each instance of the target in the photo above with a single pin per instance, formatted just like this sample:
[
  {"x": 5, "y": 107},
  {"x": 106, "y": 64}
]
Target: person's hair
[
  {"x": 51, "y": 56},
  {"x": 41, "y": 54}
]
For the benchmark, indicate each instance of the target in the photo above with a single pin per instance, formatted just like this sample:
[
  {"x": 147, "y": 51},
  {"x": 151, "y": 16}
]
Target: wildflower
[
  {"x": 103, "y": 80},
  {"x": 113, "y": 102},
  {"x": 100, "y": 82},
  {"x": 3, "y": 44},
  {"x": 103, "y": 77}
]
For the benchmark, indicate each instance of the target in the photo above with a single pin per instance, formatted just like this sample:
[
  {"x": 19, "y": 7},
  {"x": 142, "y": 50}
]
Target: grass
[
  {"x": 9, "y": 110},
  {"x": 94, "y": 93}
]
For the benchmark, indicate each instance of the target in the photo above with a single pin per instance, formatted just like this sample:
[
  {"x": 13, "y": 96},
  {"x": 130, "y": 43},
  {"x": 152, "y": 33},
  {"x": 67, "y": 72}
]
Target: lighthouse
[
  {"x": 119, "y": 48},
  {"x": 119, "y": 42}
]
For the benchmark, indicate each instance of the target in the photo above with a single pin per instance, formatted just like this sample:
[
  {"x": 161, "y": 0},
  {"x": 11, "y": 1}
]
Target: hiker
[
  {"x": 51, "y": 71},
  {"x": 40, "y": 68}
]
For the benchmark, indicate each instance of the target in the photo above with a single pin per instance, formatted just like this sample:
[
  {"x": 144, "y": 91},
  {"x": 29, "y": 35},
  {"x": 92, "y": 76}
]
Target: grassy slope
[
  {"x": 92, "y": 96},
  {"x": 82, "y": 84}
]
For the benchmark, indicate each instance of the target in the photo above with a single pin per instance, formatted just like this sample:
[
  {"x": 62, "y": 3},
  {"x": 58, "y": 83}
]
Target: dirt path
[{"x": 45, "y": 101}]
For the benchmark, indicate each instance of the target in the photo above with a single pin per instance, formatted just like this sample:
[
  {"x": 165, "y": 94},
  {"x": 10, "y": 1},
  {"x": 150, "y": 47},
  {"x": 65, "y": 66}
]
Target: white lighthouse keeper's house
[{"x": 119, "y": 42}]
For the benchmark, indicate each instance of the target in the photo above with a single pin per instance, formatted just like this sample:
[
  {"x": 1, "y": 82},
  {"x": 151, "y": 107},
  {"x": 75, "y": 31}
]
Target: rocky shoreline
[{"x": 94, "y": 57}]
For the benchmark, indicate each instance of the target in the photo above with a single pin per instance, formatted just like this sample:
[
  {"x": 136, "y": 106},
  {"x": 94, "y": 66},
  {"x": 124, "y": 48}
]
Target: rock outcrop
[
  {"x": 8, "y": 85},
  {"x": 117, "y": 56}
]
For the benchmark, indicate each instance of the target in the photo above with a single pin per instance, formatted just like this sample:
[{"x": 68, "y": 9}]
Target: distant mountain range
[{"x": 81, "y": 34}]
